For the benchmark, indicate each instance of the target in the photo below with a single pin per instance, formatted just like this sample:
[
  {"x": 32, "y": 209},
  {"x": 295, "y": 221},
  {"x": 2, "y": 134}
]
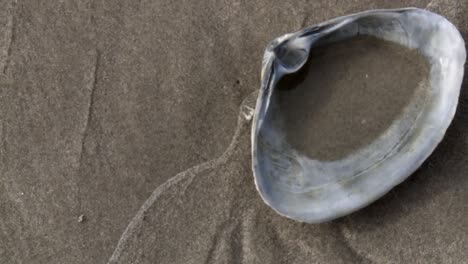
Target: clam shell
[{"x": 313, "y": 191}]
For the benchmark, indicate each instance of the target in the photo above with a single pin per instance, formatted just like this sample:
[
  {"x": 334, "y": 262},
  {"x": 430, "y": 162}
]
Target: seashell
[{"x": 312, "y": 190}]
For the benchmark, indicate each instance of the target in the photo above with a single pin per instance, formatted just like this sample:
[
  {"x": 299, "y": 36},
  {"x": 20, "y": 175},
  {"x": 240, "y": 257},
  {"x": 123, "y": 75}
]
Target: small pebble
[{"x": 81, "y": 219}]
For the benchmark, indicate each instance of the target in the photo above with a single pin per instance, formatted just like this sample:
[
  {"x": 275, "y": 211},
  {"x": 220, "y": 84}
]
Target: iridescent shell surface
[{"x": 313, "y": 191}]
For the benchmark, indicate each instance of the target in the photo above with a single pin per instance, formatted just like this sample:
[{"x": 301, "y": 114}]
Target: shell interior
[{"x": 311, "y": 190}]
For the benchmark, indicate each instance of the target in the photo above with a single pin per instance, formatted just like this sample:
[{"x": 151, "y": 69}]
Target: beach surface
[{"x": 125, "y": 138}]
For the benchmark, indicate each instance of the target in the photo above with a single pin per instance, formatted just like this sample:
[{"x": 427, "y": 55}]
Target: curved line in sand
[{"x": 244, "y": 118}]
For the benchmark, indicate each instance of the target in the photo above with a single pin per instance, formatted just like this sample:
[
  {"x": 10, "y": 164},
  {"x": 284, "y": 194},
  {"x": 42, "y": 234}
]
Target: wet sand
[
  {"x": 348, "y": 94},
  {"x": 102, "y": 103}
]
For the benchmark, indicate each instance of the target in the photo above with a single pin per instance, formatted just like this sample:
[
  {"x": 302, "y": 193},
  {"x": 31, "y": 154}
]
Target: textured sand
[
  {"x": 347, "y": 95},
  {"x": 102, "y": 102},
  {"x": 212, "y": 214}
]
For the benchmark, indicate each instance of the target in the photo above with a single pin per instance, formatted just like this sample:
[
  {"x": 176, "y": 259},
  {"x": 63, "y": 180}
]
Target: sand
[
  {"x": 212, "y": 214},
  {"x": 102, "y": 103},
  {"x": 347, "y": 95}
]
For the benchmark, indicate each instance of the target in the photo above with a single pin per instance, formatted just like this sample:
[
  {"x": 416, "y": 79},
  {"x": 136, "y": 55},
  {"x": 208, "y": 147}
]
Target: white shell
[{"x": 314, "y": 191}]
